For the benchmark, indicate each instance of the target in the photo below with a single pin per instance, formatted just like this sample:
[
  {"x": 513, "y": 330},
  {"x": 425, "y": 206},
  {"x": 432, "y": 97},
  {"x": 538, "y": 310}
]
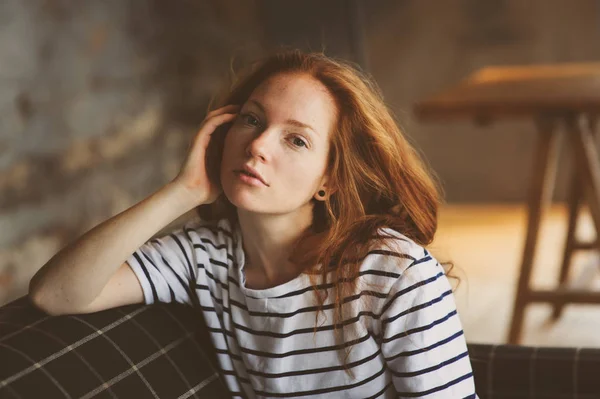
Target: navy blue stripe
[
  {"x": 378, "y": 394},
  {"x": 428, "y": 348},
  {"x": 218, "y": 263},
  {"x": 348, "y": 299},
  {"x": 322, "y": 328},
  {"x": 235, "y": 374},
  {"x": 325, "y": 307},
  {"x": 429, "y": 369},
  {"x": 289, "y": 314},
  {"x": 419, "y": 261},
  {"x": 323, "y": 390},
  {"x": 215, "y": 299},
  {"x": 192, "y": 272},
  {"x": 229, "y": 278},
  {"x": 215, "y": 246},
  {"x": 229, "y": 354},
  {"x": 408, "y": 289},
  {"x": 139, "y": 260},
  {"x": 330, "y": 285},
  {"x": 205, "y": 240},
  {"x": 214, "y": 279},
  {"x": 383, "y": 273},
  {"x": 304, "y": 351},
  {"x": 391, "y": 253},
  {"x": 185, "y": 255},
  {"x": 315, "y": 370},
  {"x": 152, "y": 263},
  {"x": 420, "y": 329},
  {"x": 172, "y": 294},
  {"x": 418, "y": 307},
  {"x": 215, "y": 230},
  {"x": 298, "y": 331},
  {"x": 436, "y": 389},
  {"x": 304, "y": 290},
  {"x": 202, "y": 247},
  {"x": 185, "y": 286},
  {"x": 357, "y": 341}
]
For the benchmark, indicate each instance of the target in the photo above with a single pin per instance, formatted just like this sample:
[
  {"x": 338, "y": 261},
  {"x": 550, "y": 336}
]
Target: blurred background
[{"x": 99, "y": 100}]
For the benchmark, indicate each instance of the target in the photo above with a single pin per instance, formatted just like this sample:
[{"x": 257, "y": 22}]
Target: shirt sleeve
[
  {"x": 166, "y": 268},
  {"x": 422, "y": 337}
]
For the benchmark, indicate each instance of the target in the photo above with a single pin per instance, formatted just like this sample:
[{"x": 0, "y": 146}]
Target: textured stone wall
[{"x": 98, "y": 102}]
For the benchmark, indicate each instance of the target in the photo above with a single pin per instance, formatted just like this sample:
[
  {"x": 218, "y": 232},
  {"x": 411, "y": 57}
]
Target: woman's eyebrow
[{"x": 289, "y": 121}]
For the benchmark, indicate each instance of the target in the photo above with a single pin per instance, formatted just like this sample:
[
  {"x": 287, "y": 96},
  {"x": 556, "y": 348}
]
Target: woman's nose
[{"x": 259, "y": 145}]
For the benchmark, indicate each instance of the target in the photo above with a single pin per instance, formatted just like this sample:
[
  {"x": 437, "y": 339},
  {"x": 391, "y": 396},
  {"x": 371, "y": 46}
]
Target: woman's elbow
[{"x": 46, "y": 302}]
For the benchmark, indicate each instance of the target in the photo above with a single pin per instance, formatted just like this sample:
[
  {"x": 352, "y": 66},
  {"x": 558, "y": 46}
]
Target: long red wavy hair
[{"x": 378, "y": 176}]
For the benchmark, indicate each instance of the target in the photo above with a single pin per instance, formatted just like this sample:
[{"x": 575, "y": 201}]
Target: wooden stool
[{"x": 553, "y": 95}]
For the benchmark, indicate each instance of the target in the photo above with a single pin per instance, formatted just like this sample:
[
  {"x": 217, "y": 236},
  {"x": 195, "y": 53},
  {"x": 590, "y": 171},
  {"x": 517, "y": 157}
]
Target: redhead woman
[{"x": 308, "y": 259}]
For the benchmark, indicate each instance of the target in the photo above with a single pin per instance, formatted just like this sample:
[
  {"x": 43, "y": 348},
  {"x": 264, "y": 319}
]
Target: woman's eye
[
  {"x": 251, "y": 120},
  {"x": 297, "y": 141}
]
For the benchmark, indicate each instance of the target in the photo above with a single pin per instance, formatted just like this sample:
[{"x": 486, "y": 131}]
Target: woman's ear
[
  {"x": 321, "y": 195},
  {"x": 325, "y": 191}
]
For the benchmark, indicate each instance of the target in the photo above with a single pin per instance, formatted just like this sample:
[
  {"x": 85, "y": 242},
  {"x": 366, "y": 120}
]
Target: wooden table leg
[
  {"x": 574, "y": 202},
  {"x": 584, "y": 147},
  {"x": 571, "y": 243},
  {"x": 544, "y": 176}
]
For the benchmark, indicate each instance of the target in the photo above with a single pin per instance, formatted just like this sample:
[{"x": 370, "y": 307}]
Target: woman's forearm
[{"x": 76, "y": 275}]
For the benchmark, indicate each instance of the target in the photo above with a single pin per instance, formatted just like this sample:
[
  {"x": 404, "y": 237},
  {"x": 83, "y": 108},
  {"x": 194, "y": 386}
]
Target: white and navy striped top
[{"x": 406, "y": 336}]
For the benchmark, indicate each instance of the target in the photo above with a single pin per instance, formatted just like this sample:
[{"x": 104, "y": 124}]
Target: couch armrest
[
  {"x": 129, "y": 351},
  {"x": 514, "y": 371}
]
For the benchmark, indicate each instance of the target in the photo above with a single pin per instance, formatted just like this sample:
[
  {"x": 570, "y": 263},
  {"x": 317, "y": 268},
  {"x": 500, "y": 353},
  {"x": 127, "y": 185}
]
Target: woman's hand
[{"x": 194, "y": 175}]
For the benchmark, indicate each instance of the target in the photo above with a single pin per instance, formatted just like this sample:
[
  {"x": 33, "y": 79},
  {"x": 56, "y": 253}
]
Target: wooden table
[{"x": 555, "y": 96}]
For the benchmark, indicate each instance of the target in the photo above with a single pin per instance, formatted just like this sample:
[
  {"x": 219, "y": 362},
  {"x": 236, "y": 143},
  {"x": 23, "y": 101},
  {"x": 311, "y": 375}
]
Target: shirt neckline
[{"x": 301, "y": 281}]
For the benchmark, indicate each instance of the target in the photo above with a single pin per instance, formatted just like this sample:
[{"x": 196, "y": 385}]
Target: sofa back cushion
[
  {"x": 131, "y": 351},
  {"x": 164, "y": 351}
]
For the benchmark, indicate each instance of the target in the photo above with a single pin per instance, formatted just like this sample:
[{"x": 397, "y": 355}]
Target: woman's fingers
[
  {"x": 226, "y": 109},
  {"x": 218, "y": 120},
  {"x": 212, "y": 121},
  {"x": 209, "y": 127}
]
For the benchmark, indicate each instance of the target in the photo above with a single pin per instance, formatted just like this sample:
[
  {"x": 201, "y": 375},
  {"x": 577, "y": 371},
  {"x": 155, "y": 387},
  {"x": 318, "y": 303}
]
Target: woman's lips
[
  {"x": 254, "y": 173},
  {"x": 251, "y": 180}
]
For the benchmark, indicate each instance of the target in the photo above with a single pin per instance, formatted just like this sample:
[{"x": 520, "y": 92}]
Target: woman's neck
[{"x": 268, "y": 241}]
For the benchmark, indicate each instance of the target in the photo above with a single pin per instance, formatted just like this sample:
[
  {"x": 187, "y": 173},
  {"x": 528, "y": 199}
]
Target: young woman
[{"x": 307, "y": 262}]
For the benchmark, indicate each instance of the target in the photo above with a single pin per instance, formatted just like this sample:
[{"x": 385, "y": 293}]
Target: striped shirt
[{"x": 402, "y": 324}]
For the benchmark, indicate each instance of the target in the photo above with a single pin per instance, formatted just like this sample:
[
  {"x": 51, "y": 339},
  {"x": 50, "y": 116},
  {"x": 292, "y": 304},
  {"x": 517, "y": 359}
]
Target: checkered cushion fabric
[
  {"x": 139, "y": 351},
  {"x": 163, "y": 351},
  {"x": 517, "y": 372}
]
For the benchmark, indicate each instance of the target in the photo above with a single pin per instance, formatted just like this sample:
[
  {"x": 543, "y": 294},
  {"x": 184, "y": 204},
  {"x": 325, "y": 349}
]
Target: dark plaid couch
[{"x": 162, "y": 351}]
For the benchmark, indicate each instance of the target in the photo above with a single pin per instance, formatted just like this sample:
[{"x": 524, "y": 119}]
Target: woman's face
[{"x": 283, "y": 133}]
